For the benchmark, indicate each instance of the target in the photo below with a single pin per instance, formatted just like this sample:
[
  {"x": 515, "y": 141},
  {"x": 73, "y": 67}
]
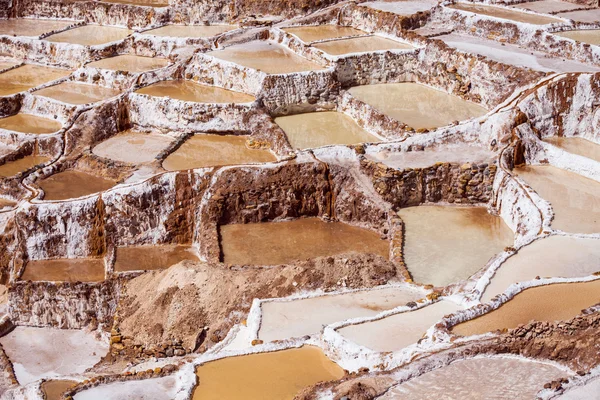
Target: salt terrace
[{"x": 205, "y": 199}]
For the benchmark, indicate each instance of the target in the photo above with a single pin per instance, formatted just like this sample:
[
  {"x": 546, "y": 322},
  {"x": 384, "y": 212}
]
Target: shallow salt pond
[
  {"x": 417, "y": 105},
  {"x": 72, "y": 184},
  {"x": 204, "y": 150},
  {"x": 310, "y": 34},
  {"x": 557, "y": 302},
  {"x": 549, "y": 6},
  {"x": 49, "y": 353},
  {"x": 130, "y": 63},
  {"x": 451, "y": 153},
  {"x": 190, "y": 91},
  {"x": 28, "y": 76},
  {"x": 589, "y": 391},
  {"x": 31, "y": 27},
  {"x": 13, "y": 168},
  {"x": 268, "y": 57},
  {"x": 190, "y": 31},
  {"x": 133, "y": 147},
  {"x": 555, "y": 256},
  {"x": 582, "y": 15},
  {"x": 164, "y": 388},
  {"x": 273, "y": 243},
  {"x": 7, "y": 64},
  {"x": 490, "y": 378},
  {"x": 574, "y": 198},
  {"x": 28, "y": 123},
  {"x": 54, "y": 389},
  {"x": 503, "y": 13},
  {"x": 65, "y": 270},
  {"x": 145, "y": 258},
  {"x": 90, "y": 35},
  {"x": 276, "y": 375},
  {"x": 289, "y": 319},
  {"x": 591, "y": 36},
  {"x": 405, "y": 7},
  {"x": 576, "y": 145},
  {"x": 361, "y": 45},
  {"x": 400, "y": 330},
  {"x": 444, "y": 245},
  {"x": 316, "y": 129},
  {"x": 77, "y": 93},
  {"x": 146, "y": 3}
]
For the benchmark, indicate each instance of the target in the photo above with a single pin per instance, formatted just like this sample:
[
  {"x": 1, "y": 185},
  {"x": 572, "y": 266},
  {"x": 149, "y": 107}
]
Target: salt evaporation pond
[
  {"x": 398, "y": 331},
  {"x": 77, "y": 93},
  {"x": 490, "y": 378},
  {"x": 557, "y": 302},
  {"x": 31, "y": 27},
  {"x": 405, "y": 7},
  {"x": 143, "y": 258},
  {"x": 72, "y": 184},
  {"x": 281, "y": 374},
  {"x": 591, "y": 36},
  {"x": 503, "y": 13},
  {"x": 450, "y": 153},
  {"x": 143, "y": 3},
  {"x": 588, "y": 16},
  {"x": 90, "y": 35},
  {"x": 417, "y": 105},
  {"x": 576, "y": 145},
  {"x": 555, "y": 256},
  {"x": 283, "y": 319},
  {"x": 133, "y": 147},
  {"x": 38, "y": 353},
  {"x": 444, "y": 245},
  {"x": 190, "y": 31},
  {"x": 310, "y": 34},
  {"x": 164, "y": 388},
  {"x": 13, "y": 168},
  {"x": 54, "y": 389},
  {"x": 589, "y": 391},
  {"x": 574, "y": 198},
  {"x": 273, "y": 243},
  {"x": 204, "y": 150},
  {"x": 191, "y": 91},
  {"x": 361, "y": 45},
  {"x": 28, "y": 76},
  {"x": 28, "y": 123},
  {"x": 268, "y": 57},
  {"x": 65, "y": 270},
  {"x": 130, "y": 63},
  {"x": 316, "y": 129},
  {"x": 6, "y": 64},
  {"x": 549, "y": 6}
]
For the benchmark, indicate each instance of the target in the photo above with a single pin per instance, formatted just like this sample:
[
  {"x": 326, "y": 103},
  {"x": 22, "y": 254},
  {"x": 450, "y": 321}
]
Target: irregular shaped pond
[{"x": 72, "y": 184}]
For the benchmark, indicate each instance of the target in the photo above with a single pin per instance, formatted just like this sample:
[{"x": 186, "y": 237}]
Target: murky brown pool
[
  {"x": 204, "y": 150},
  {"x": 31, "y": 27},
  {"x": 557, "y": 302},
  {"x": 361, "y": 45},
  {"x": 90, "y": 35},
  {"x": 28, "y": 76},
  {"x": 145, "y": 258},
  {"x": 65, "y": 270},
  {"x": 323, "y": 32},
  {"x": 130, "y": 63},
  {"x": 191, "y": 91},
  {"x": 133, "y": 147},
  {"x": 72, "y": 184},
  {"x": 280, "y": 374},
  {"x": 576, "y": 145},
  {"x": 272, "y": 243},
  {"x": 417, "y": 105},
  {"x": 28, "y": 123},
  {"x": 54, "y": 389},
  {"x": 77, "y": 93},
  {"x": 12, "y": 168},
  {"x": 591, "y": 36},
  {"x": 193, "y": 31},
  {"x": 6, "y": 203},
  {"x": 503, "y": 13}
]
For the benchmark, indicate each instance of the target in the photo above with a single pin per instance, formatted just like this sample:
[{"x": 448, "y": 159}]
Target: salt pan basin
[
  {"x": 549, "y": 6},
  {"x": 144, "y": 258},
  {"x": 54, "y": 389},
  {"x": 417, "y": 105},
  {"x": 363, "y": 44},
  {"x": 39, "y": 353},
  {"x": 133, "y": 147},
  {"x": 283, "y": 319},
  {"x": 148, "y": 389},
  {"x": 31, "y": 27},
  {"x": 310, "y": 34},
  {"x": 576, "y": 145},
  {"x": 77, "y": 93},
  {"x": 490, "y": 378},
  {"x": 268, "y": 57},
  {"x": 7, "y": 64},
  {"x": 273, "y": 243},
  {"x": 276, "y": 375},
  {"x": 316, "y": 129},
  {"x": 400, "y": 330},
  {"x": 65, "y": 270},
  {"x": 404, "y": 7},
  {"x": 90, "y": 35},
  {"x": 503, "y": 13},
  {"x": 190, "y": 31},
  {"x": 589, "y": 391},
  {"x": 591, "y": 36},
  {"x": 190, "y": 91},
  {"x": 451, "y": 153},
  {"x": 130, "y": 63},
  {"x": 13, "y": 168},
  {"x": 71, "y": 184},
  {"x": 28, "y": 76},
  {"x": 28, "y": 123},
  {"x": 582, "y": 15},
  {"x": 143, "y": 3}
]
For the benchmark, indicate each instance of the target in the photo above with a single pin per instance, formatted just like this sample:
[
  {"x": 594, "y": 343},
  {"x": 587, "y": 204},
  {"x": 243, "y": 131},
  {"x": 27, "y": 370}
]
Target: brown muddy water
[
  {"x": 280, "y": 374},
  {"x": 65, "y": 270},
  {"x": 28, "y": 123},
  {"x": 12, "y": 168},
  {"x": 191, "y": 91},
  {"x": 77, "y": 93},
  {"x": 503, "y": 13},
  {"x": 557, "y": 302},
  {"x": 72, "y": 184},
  {"x": 204, "y": 150},
  {"x": 323, "y": 32},
  {"x": 361, "y": 45},
  {"x": 273, "y": 243},
  {"x": 133, "y": 147},
  {"x": 28, "y": 76},
  {"x": 31, "y": 27},
  {"x": 6, "y": 203},
  {"x": 581, "y": 147},
  {"x": 54, "y": 389},
  {"x": 146, "y": 258},
  {"x": 130, "y": 63},
  {"x": 316, "y": 129},
  {"x": 190, "y": 31},
  {"x": 90, "y": 35},
  {"x": 590, "y": 36},
  {"x": 417, "y": 105}
]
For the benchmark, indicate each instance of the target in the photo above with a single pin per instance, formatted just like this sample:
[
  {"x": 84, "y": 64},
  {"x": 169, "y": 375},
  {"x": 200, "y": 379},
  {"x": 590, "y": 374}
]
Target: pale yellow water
[
  {"x": 65, "y": 270},
  {"x": 7, "y": 64},
  {"x": 143, "y": 258},
  {"x": 133, "y": 147},
  {"x": 54, "y": 389},
  {"x": 272, "y": 243},
  {"x": 557, "y": 302},
  {"x": 190, "y": 91},
  {"x": 323, "y": 32},
  {"x": 316, "y": 129},
  {"x": 12, "y": 168},
  {"x": 512, "y": 15},
  {"x": 416, "y": 105},
  {"x": 577, "y": 146},
  {"x": 361, "y": 45},
  {"x": 28, "y": 123},
  {"x": 591, "y": 36},
  {"x": 204, "y": 150},
  {"x": 192, "y": 31},
  {"x": 130, "y": 63},
  {"x": 451, "y": 153},
  {"x": 77, "y": 93},
  {"x": 26, "y": 77},
  {"x": 90, "y": 35},
  {"x": 267, "y": 57},
  {"x": 71, "y": 184},
  {"x": 574, "y": 199},
  {"x": 444, "y": 245},
  {"x": 276, "y": 375},
  {"x": 31, "y": 27}
]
